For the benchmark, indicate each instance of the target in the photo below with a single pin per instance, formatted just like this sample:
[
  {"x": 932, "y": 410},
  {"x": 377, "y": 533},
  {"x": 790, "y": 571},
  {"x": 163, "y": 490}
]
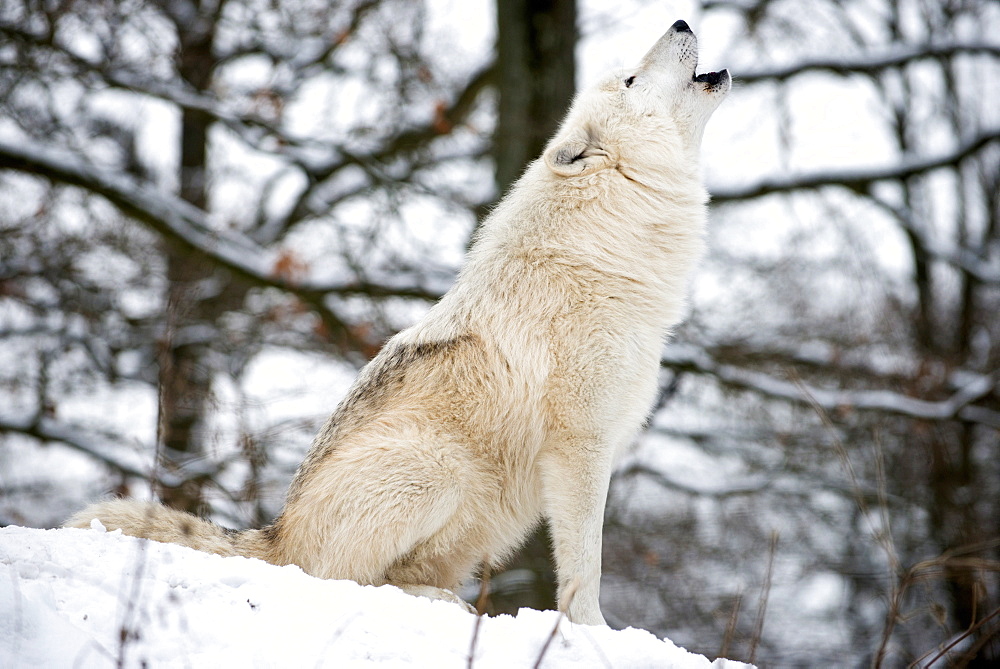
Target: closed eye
[{"x": 629, "y": 81}]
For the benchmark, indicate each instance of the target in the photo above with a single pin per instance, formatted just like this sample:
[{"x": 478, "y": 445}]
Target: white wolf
[{"x": 508, "y": 402}]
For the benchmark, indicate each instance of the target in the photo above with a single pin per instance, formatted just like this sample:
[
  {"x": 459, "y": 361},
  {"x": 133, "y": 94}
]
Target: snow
[{"x": 87, "y": 598}]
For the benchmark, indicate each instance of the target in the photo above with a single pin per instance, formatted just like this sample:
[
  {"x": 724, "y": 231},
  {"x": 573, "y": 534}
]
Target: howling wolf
[{"x": 509, "y": 401}]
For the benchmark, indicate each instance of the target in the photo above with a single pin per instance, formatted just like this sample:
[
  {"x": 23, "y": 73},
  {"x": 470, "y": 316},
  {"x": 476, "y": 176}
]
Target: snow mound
[{"x": 88, "y": 598}]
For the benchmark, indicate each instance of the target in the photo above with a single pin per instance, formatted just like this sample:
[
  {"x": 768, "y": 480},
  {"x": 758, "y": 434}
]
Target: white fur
[{"x": 509, "y": 401}]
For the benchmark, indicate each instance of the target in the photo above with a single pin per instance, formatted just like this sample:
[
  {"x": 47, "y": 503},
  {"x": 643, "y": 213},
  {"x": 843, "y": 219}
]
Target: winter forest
[{"x": 213, "y": 212}]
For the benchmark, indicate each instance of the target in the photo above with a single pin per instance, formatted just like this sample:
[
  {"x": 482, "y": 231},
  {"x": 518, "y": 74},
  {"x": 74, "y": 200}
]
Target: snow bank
[{"x": 93, "y": 599}]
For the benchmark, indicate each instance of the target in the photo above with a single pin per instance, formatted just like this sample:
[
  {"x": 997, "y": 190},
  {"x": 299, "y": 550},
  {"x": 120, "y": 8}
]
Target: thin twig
[
  {"x": 758, "y": 627},
  {"x": 961, "y": 637},
  {"x": 484, "y": 590},
  {"x": 897, "y": 585},
  {"x": 127, "y": 633},
  {"x": 484, "y": 594},
  {"x": 548, "y": 641},
  {"x": 570, "y": 593},
  {"x": 731, "y": 625}
]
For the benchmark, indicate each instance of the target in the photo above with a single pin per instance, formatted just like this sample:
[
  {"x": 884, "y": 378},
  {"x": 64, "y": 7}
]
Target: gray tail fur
[{"x": 150, "y": 520}]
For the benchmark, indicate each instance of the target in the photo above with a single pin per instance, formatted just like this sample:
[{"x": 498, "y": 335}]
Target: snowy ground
[{"x": 83, "y": 598}]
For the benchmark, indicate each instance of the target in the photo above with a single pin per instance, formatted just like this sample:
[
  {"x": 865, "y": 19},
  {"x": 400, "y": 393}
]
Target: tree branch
[
  {"x": 404, "y": 142},
  {"x": 959, "y": 256},
  {"x": 186, "y": 225},
  {"x": 959, "y": 406},
  {"x": 291, "y": 147},
  {"x": 859, "y": 180},
  {"x": 868, "y": 64},
  {"x": 751, "y": 487},
  {"x": 415, "y": 137},
  {"x": 100, "y": 447},
  {"x": 183, "y": 223},
  {"x": 96, "y": 446}
]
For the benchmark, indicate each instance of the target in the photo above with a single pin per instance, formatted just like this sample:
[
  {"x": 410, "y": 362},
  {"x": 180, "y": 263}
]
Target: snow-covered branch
[
  {"x": 372, "y": 163},
  {"x": 750, "y": 487},
  {"x": 959, "y": 406},
  {"x": 183, "y": 223},
  {"x": 861, "y": 181},
  {"x": 961, "y": 257},
  {"x": 780, "y": 483},
  {"x": 100, "y": 447},
  {"x": 868, "y": 64},
  {"x": 107, "y": 448},
  {"x": 856, "y": 180},
  {"x": 188, "y": 226},
  {"x": 319, "y": 160},
  {"x": 177, "y": 93}
]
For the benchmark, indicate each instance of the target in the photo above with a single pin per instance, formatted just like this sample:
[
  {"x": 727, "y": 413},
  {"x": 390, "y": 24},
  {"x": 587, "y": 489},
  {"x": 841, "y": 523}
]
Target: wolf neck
[{"x": 640, "y": 239}]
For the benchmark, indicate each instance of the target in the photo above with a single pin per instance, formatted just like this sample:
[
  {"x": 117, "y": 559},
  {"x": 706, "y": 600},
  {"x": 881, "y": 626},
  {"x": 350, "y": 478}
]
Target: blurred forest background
[{"x": 212, "y": 212}]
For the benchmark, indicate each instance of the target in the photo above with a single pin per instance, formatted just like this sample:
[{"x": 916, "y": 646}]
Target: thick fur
[{"x": 509, "y": 401}]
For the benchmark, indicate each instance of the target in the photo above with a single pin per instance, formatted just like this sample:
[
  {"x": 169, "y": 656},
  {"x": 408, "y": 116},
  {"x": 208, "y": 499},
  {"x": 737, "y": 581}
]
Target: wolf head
[{"x": 638, "y": 119}]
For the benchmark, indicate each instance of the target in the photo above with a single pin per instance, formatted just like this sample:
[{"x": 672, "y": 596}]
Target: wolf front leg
[{"x": 575, "y": 478}]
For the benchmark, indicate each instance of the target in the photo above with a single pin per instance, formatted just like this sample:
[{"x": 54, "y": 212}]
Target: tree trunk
[
  {"x": 185, "y": 375},
  {"x": 536, "y": 43},
  {"x": 536, "y": 64}
]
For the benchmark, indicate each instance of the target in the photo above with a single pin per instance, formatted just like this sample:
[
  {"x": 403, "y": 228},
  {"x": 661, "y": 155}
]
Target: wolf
[{"x": 508, "y": 402}]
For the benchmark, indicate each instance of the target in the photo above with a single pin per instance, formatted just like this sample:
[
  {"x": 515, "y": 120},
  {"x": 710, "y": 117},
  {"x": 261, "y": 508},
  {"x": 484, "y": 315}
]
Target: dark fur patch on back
[
  {"x": 368, "y": 394},
  {"x": 378, "y": 381}
]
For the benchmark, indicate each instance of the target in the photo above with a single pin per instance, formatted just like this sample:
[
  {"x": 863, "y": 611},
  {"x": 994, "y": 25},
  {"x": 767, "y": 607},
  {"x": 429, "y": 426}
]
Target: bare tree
[
  {"x": 841, "y": 386},
  {"x": 185, "y": 117}
]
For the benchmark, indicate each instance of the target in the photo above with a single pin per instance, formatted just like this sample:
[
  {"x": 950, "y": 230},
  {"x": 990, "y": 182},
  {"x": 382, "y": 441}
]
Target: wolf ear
[{"x": 575, "y": 155}]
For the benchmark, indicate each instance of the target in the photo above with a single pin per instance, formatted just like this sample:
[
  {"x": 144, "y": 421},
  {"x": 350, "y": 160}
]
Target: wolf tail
[{"x": 150, "y": 520}]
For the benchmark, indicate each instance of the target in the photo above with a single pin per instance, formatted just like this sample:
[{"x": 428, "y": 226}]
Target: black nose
[{"x": 681, "y": 27}]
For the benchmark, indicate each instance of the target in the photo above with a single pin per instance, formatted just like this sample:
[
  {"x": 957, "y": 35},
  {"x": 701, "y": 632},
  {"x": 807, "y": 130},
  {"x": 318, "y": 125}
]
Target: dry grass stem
[
  {"x": 570, "y": 593},
  {"x": 481, "y": 602},
  {"x": 734, "y": 617},
  {"x": 765, "y": 590}
]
